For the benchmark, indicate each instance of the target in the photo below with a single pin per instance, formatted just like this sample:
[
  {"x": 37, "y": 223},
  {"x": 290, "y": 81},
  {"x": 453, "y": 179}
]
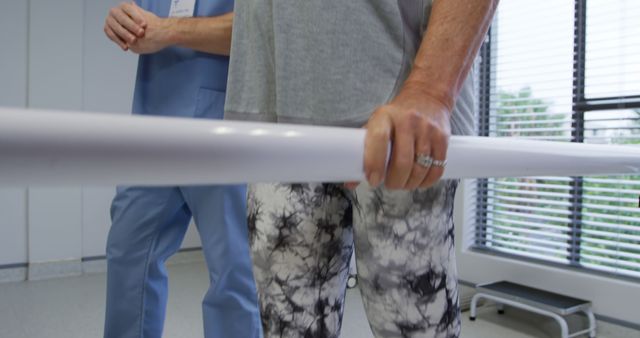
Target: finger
[
  {"x": 419, "y": 172},
  {"x": 125, "y": 20},
  {"x": 135, "y": 13},
  {"x": 113, "y": 37},
  {"x": 439, "y": 153},
  {"x": 403, "y": 150},
  {"x": 120, "y": 31},
  {"x": 376, "y": 147}
]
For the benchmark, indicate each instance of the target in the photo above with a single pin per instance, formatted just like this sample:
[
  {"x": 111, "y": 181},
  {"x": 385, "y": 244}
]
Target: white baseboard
[
  {"x": 94, "y": 266},
  {"x": 99, "y": 265},
  {"x": 13, "y": 274},
  {"x": 58, "y": 269}
]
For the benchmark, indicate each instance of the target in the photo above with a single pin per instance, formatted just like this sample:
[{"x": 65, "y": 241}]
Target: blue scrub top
[{"x": 178, "y": 81}]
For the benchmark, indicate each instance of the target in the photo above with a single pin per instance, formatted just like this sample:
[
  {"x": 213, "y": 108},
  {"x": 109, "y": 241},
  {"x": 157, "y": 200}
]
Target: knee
[
  {"x": 122, "y": 244},
  {"x": 117, "y": 246}
]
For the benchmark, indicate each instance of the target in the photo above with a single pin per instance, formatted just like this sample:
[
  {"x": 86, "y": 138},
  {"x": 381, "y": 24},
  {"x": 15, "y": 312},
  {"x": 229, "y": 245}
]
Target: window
[{"x": 562, "y": 71}]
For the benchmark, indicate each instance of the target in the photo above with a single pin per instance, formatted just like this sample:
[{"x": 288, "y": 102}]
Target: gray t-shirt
[{"x": 326, "y": 62}]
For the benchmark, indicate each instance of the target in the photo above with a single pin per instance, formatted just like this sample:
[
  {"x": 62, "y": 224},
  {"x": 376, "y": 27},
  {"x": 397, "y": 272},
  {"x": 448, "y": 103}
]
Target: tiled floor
[{"x": 74, "y": 307}]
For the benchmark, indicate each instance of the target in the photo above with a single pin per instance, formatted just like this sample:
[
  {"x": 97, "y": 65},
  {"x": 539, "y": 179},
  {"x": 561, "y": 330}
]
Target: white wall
[
  {"x": 55, "y": 80},
  {"x": 13, "y": 226},
  {"x": 13, "y": 54},
  {"x": 612, "y": 298},
  {"x": 13, "y": 92},
  {"x": 54, "y": 55}
]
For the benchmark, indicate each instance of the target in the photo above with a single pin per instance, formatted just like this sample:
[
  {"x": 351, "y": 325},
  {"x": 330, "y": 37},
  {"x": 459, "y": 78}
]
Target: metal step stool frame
[{"x": 536, "y": 307}]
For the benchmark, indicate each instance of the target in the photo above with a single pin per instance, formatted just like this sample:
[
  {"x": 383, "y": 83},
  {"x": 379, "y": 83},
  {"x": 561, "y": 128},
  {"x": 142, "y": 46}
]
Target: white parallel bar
[{"x": 60, "y": 148}]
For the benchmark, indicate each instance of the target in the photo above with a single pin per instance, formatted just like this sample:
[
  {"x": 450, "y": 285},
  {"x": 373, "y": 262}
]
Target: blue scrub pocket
[{"x": 209, "y": 104}]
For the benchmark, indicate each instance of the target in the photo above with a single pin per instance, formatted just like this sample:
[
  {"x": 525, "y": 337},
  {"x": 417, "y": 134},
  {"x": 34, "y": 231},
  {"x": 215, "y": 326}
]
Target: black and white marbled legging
[{"x": 302, "y": 237}]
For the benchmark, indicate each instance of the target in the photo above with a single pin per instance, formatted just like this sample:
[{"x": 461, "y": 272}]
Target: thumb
[{"x": 379, "y": 130}]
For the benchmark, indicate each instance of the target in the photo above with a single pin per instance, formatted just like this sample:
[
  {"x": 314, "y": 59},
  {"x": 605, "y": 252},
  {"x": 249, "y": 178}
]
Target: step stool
[{"x": 538, "y": 301}]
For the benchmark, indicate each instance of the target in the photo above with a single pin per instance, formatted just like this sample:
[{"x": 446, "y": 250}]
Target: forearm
[
  {"x": 205, "y": 34},
  {"x": 455, "y": 32}
]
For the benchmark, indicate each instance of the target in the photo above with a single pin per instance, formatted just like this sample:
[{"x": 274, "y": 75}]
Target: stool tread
[{"x": 521, "y": 292}]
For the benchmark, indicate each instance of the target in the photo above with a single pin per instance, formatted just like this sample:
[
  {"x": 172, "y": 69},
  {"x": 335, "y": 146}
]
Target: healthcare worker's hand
[
  {"x": 416, "y": 124},
  {"x": 125, "y": 24},
  {"x": 157, "y": 34}
]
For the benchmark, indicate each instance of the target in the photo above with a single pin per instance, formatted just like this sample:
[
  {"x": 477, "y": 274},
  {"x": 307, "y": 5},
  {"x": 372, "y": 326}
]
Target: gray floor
[{"x": 74, "y": 307}]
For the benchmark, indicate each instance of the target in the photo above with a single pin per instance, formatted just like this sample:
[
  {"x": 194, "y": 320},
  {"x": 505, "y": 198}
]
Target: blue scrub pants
[{"x": 148, "y": 227}]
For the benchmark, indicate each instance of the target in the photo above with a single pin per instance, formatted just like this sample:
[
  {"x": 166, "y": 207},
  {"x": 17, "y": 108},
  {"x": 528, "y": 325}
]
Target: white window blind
[{"x": 563, "y": 71}]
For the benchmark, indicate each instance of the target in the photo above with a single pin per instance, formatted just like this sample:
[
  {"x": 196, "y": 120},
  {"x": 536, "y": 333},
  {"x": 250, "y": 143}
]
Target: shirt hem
[{"x": 355, "y": 122}]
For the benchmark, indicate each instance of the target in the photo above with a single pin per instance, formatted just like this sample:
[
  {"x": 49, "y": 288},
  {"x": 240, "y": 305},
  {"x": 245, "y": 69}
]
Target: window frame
[
  {"x": 477, "y": 265},
  {"x": 580, "y": 105}
]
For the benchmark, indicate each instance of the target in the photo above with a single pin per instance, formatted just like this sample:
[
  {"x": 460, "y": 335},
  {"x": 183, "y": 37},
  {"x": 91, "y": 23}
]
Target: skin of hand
[
  {"x": 125, "y": 24},
  {"x": 414, "y": 123},
  {"x": 157, "y": 34},
  {"x": 133, "y": 28},
  {"x": 417, "y": 120},
  {"x": 142, "y": 32}
]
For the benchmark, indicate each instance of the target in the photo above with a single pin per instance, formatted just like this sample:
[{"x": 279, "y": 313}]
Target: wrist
[
  {"x": 170, "y": 32},
  {"x": 424, "y": 94},
  {"x": 431, "y": 84}
]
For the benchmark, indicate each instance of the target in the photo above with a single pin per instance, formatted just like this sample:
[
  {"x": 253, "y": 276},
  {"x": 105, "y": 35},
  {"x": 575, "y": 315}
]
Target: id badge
[{"x": 182, "y": 8}]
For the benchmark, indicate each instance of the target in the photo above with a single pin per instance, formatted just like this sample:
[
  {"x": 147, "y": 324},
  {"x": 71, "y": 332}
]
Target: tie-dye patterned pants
[{"x": 302, "y": 238}]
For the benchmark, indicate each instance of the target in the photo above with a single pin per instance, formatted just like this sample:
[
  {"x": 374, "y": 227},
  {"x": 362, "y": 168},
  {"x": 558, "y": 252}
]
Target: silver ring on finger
[
  {"x": 438, "y": 163},
  {"x": 424, "y": 160}
]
